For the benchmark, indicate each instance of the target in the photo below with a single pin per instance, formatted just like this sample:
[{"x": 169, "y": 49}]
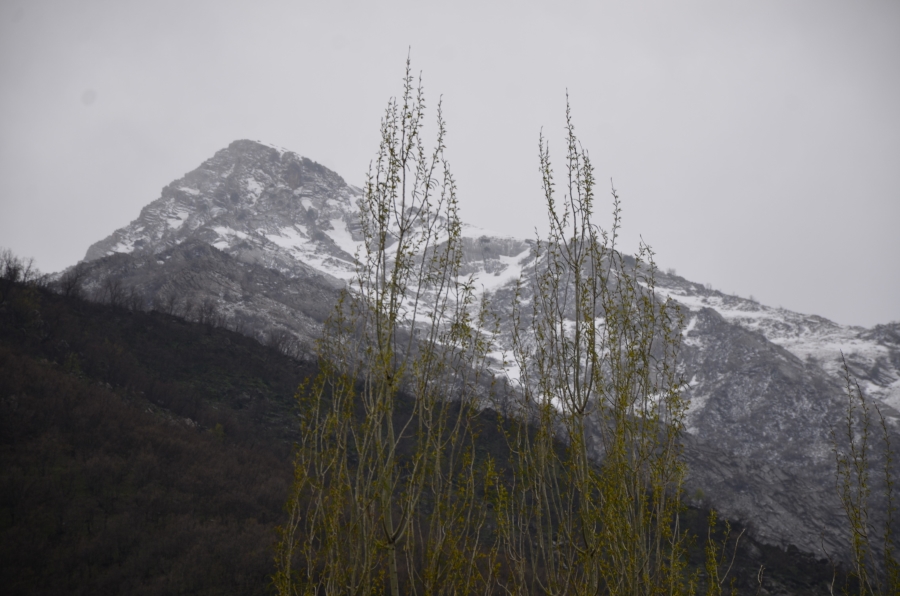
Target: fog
[{"x": 755, "y": 146}]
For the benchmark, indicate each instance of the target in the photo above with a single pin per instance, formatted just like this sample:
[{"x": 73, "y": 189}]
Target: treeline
[{"x": 112, "y": 284}]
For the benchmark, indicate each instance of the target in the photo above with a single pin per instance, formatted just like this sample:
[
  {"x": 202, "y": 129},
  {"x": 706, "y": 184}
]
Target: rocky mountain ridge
[
  {"x": 265, "y": 239},
  {"x": 259, "y": 205}
]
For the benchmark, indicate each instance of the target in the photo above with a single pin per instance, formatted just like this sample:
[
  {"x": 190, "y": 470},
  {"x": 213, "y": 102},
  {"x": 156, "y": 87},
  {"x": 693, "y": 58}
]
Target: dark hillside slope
[
  {"x": 143, "y": 454},
  {"x": 139, "y": 453}
]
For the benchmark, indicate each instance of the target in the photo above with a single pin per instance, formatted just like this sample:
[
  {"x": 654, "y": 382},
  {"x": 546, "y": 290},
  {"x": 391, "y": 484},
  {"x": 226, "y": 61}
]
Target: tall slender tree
[
  {"x": 385, "y": 482},
  {"x": 872, "y": 543},
  {"x": 594, "y": 501}
]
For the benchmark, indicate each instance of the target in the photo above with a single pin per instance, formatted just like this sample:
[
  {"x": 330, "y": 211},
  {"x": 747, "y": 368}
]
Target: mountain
[
  {"x": 266, "y": 235},
  {"x": 262, "y": 241},
  {"x": 144, "y": 454},
  {"x": 257, "y": 204}
]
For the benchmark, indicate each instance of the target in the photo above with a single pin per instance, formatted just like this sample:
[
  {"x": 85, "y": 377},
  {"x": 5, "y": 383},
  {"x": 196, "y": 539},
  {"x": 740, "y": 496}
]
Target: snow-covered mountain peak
[
  {"x": 256, "y": 202},
  {"x": 269, "y": 206}
]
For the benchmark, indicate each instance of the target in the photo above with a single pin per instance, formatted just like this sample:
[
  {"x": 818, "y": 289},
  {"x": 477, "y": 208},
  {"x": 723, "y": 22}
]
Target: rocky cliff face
[{"x": 264, "y": 240}]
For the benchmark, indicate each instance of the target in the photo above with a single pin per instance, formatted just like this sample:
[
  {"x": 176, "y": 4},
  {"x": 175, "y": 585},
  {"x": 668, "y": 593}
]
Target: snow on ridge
[
  {"x": 505, "y": 364},
  {"x": 687, "y": 338},
  {"x": 279, "y": 149},
  {"x": 752, "y": 315},
  {"x": 696, "y": 405},
  {"x": 690, "y": 326},
  {"x": 123, "y": 246},
  {"x": 512, "y": 271},
  {"x": 339, "y": 269},
  {"x": 475, "y": 232},
  {"x": 810, "y": 338},
  {"x": 288, "y": 238},
  {"x": 228, "y": 232},
  {"x": 176, "y": 219},
  {"x": 253, "y": 187},
  {"x": 342, "y": 237},
  {"x": 300, "y": 247}
]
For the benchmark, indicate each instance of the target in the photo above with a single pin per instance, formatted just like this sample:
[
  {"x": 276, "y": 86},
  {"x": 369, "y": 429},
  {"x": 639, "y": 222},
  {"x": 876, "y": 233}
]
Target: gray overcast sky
[{"x": 756, "y": 145}]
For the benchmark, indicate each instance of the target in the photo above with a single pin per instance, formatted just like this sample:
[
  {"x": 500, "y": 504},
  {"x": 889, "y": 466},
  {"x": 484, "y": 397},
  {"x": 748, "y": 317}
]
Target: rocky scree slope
[{"x": 263, "y": 240}]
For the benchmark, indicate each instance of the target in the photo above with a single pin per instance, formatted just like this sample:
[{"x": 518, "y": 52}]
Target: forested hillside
[
  {"x": 139, "y": 453},
  {"x": 144, "y": 454}
]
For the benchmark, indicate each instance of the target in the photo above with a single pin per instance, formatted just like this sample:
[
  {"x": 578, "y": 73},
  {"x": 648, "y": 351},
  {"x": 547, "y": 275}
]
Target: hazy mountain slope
[{"x": 200, "y": 282}]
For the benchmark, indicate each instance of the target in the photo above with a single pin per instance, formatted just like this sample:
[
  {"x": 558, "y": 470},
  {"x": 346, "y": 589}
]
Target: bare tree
[
  {"x": 188, "y": 308},
  {"x": 112, "y": 291},
  {"x": 207, "y": 312},
  {"x": 13, "y": 270},
  {"x": 167, "y": 301},
  {"x": 70, "y": 282},
  {"x": 134, "y": 300},
  {"x": 873, "y": 546},
  {"x": 279, "y": 339}
]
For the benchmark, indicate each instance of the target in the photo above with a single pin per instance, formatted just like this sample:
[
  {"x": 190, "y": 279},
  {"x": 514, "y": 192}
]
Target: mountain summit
[{"x": 256, "y": 203}]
